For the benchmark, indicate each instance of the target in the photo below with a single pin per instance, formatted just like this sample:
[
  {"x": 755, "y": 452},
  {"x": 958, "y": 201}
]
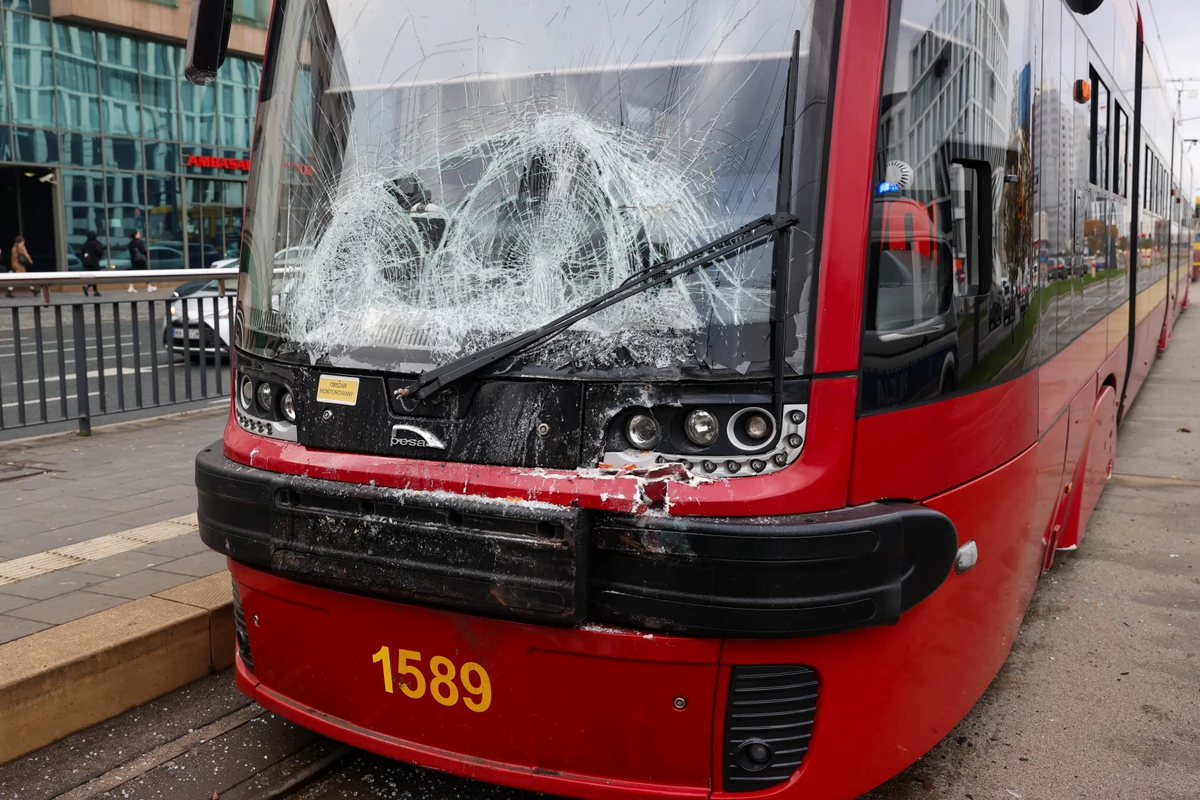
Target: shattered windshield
[{"x": 444, "y": 176}]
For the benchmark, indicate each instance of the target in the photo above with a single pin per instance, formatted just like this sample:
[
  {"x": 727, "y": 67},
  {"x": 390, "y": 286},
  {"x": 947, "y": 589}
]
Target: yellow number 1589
[{"x": 474, "y": 678}]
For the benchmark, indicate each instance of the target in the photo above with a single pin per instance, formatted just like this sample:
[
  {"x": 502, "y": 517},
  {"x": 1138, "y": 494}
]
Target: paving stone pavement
[
  {"x": 80, "y": 488},
  {"x": 121, "y": 477}
]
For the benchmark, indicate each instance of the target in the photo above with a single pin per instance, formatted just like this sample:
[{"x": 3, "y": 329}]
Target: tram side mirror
[
  {"x": 1084, "y": 6},
  {"x": 208, "y": 38},
  {"x": 971, "y": 215}
]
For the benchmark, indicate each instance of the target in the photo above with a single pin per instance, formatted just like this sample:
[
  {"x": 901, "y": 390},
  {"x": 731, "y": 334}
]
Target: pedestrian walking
[
  {"x": 20, "y": 261},
  {"x": 90, "y": 254},
  {"x": 138, "y": 258}
]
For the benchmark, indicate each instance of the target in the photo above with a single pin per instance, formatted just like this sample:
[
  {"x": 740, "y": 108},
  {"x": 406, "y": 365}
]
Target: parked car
[
  {"x": 1009, "y": 303},
  {"x": 1057, "y": 270},
  {"x": 201, "y": 256},
  {"x": 291, "y": 256},
  {"x": 995, "y": 308},
  {"x": 207, "y": 326},
  {"x": 165, "y": 256},
  {"x": 190, "y": 287},
  {"x": 170, "y": 255},
  {"x": 286, "y": 257}
]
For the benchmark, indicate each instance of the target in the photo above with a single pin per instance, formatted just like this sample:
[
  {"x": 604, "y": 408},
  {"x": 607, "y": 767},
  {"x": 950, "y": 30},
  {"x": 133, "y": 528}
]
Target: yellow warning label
[{"x": 337, "y": 389}]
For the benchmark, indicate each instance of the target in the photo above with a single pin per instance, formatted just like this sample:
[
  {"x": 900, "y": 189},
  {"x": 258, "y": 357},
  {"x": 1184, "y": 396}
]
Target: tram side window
[
  {"x": 1121, "y": 153},
  {"x": 1152, "y": 189},
  {"x": 1153, "y": 195},
  {"x": 952, "y": 269},
  {"x": 1147, "y": 161},
  {"x": 1100, "y": 164},
  {"x": 1158, "y": 187},
  {"x": 1162, "y": 190},
  {"x": 1157, "y": 207}
]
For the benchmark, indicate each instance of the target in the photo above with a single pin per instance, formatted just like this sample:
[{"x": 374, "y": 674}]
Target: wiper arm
[{"x": 744, "y": 238}]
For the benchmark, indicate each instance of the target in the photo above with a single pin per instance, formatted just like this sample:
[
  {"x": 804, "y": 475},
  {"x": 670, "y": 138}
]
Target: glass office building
[{"x": 100, "y": 131}]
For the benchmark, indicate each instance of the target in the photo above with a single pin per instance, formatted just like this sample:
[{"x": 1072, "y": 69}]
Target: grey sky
[{"x": 1179, "y": 27}]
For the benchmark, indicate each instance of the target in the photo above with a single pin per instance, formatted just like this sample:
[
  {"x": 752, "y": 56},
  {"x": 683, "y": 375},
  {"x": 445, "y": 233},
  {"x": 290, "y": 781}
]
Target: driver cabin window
[{"x": 912, "y": 264}]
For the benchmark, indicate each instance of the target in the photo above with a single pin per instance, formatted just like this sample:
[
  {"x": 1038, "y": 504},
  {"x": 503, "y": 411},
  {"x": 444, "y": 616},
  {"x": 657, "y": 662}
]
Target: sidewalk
[
  {"x": 61, "y": 490},
  {"x": 68, "y": 295}
]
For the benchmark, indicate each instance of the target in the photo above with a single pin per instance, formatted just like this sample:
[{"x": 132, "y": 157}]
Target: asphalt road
[{"x": 127, "y": 365}]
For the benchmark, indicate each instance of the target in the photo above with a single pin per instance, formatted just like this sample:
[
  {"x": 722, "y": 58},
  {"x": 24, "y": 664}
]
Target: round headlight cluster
[
  {"x": 758, "y": 427},
  {"x": 751, "y": 428},
  {"x": 642, "y": 431},
  {"x": 701, "y": 427},
  {"x": 265, "y": 399},
  {"x": 287, "y": 406},
  {"x": 247, "y": 394},
  {"x": 266, "y": 395}
]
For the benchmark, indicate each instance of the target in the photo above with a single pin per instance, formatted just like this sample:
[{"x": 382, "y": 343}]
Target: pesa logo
[{"x": 412, "y": 436}]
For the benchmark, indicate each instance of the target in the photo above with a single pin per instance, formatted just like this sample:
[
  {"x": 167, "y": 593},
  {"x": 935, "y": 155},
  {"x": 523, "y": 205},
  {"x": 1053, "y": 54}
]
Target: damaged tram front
[{"x": 528, "y": 475}]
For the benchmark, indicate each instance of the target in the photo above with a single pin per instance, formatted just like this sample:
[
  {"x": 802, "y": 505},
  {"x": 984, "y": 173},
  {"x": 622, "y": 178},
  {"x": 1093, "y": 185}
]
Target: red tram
[{"x": 675, "y": 399}]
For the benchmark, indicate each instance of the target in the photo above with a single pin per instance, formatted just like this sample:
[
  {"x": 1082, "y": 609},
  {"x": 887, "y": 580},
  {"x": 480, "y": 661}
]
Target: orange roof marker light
[{"x": 1083, "y": 91}]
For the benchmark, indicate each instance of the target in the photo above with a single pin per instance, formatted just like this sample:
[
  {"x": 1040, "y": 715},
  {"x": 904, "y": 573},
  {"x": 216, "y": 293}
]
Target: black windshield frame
[{"x": 802, "y": 242}]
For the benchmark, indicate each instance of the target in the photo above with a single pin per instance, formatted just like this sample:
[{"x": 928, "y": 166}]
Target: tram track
[
  {"x": 140, "y": 765},
  {"x": 294, "y": 774},
  {"x": 280, "y": 779}
]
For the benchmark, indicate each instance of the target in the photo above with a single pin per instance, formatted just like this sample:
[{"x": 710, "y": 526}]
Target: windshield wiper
[{"x": 744, "y": 238}]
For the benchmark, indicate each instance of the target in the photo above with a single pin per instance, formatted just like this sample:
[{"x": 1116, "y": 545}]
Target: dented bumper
[{"x": 761, "y": 577}]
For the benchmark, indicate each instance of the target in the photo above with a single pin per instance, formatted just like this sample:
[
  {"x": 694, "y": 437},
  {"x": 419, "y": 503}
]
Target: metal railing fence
[{"x": 77, "y": 358}]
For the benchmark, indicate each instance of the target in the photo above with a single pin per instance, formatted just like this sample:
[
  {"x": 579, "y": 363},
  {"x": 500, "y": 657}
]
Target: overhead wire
[{"x": 1162, "y": 47}]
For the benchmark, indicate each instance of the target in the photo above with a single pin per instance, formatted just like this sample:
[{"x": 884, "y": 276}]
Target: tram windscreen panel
[{"x": 439, "y": 182}]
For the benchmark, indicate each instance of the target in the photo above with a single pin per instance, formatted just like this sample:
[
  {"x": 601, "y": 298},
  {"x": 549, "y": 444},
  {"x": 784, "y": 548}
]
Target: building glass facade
[{"x": 100, "y": 131}]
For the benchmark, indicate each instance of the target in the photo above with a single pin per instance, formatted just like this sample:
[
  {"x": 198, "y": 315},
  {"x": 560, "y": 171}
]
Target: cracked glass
[{"x": 432, "y": 179}]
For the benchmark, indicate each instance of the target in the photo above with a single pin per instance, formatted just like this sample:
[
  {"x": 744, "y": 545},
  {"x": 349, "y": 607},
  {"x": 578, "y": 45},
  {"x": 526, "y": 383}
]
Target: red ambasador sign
[
  {"x": 213, "y": 162},
  {"x": 238, "y": 164}
]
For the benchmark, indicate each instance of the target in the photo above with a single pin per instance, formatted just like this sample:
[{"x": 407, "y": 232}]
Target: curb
[
  {"x": 6, "y": 444},
  {"x": 70, "y": 677}
]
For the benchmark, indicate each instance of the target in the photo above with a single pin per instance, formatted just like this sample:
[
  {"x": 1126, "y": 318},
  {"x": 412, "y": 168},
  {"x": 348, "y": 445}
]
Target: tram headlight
[
  {"x": 247, "y": 393},
  {"x": 265, "y": 395},
  {"x": 642, "y": 431},
  {"x": 287, "y": 406},
  {"x": 758, "y": 427},
  {"x": 749, "y": 428},
  {"x": 701, "y": 427}
]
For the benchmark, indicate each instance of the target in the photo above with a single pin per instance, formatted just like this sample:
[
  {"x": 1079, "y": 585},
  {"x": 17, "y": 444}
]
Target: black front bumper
[{"x": 784, "y": 576}]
